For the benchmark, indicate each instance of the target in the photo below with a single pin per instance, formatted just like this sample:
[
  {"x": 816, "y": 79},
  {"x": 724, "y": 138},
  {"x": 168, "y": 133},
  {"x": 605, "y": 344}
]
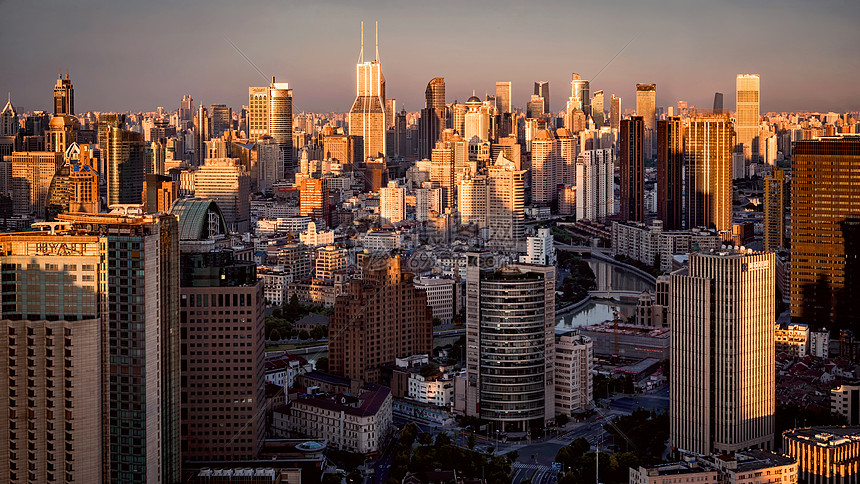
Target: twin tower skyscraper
[{"x": 369, "y": 114}]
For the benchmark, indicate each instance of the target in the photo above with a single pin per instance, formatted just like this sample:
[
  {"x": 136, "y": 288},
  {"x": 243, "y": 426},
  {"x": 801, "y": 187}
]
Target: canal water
[{"x": 609, "y": 278}]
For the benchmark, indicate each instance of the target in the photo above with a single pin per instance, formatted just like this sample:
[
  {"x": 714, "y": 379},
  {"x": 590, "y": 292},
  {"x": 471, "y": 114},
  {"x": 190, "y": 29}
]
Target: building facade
[
  {"x": 825, "y": 455},
  {"x": 574, "y": 362},
  {"x": 631, "y": 155},
  {"x": 595, "y": 185},
  {"x": 709, "y": 172},
  {"x": 670, "y": 166}
]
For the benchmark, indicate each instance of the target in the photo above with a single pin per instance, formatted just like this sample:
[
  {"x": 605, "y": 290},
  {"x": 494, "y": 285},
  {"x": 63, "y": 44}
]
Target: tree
[
  {"x": 303, "y": 334},
  {"x": 322, "y": 364},
  {"x": 562, "y": 419},
  {"x": 436, "y": 321},
  {"x": 425, "y": 438},
  {"x": 442, "y": 439},
  {"x": 471, "y": 441},
  {"x": 408, "y": 434}
]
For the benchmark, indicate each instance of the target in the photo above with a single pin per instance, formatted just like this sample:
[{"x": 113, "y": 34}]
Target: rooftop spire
[
  {"x": 361, "y": 53},
  {"x": 377, "y": 41}
]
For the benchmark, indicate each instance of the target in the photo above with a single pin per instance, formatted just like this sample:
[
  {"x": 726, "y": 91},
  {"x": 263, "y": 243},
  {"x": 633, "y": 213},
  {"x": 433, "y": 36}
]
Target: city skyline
[{"x": 184, "y": 50}]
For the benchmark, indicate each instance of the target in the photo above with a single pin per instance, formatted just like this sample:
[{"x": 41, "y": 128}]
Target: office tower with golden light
[
  {"x": 123, "y": 152},
  {"x": 615, "y": 112},
  {"x": 543, "y": 168},
  {"x": 159, "y": 192},
  {"x": 64, "y": 97},
  {"x": 631, "y": 150},
  {"x": 442, "y": 171},
  {"x": 433, "y": 117},
  {"x": 708, "y": 142},
  {"x": 774, "y": 211},
  {"x": 75, "y": 186},
  {"x": 747, "y": 115},
  {"x": 505, "y": 203},
  {"x": 566, "y": 149},
  {"x": 227, "y": 182},
  {"x": 646, "y": 106},
  {"x": 597, "y": 113},
  {"x": 367, "y": 114},
  {"x": 580, "y": 93},
  {"x": 201, "y": 135},
  {"x": 108, "y": 362},
  {"x": 31, "y": 176},
  {"x": 503, "y": 97},
  {"x": 670, "y": 166},
  {"x": 270, "y": 113},
  {"x": 722, "y": 379},
  {"x": 542, "y": 90},
  {"x": 825, "y": 231},
  {"x": 314, "y": 200}
]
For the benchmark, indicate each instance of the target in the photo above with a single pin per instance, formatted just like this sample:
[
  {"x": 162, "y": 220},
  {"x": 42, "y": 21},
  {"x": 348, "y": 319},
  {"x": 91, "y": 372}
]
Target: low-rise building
[
  {"x": 274, "y": 285},
  {"x": 825, "y": 455},
  {"x": 628, "y": 340},
  {"x": 355, "y": 423},
  {"x": 748, "y": 467},
  {"x": 646, "y": 243},
  {"x": 845, "y": 401},
  {"x": 792, "y": 339},
  {"x": 819, "y": 343},
  {"x": 315, "y": 238},
  {"x": 282, "y": 369},
  {"x": 436, "y": 389}
]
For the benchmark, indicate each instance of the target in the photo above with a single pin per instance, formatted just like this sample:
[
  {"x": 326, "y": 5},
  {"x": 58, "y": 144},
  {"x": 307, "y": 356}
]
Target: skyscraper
[
  {"x": 722, "y": 379},
  {"x": 442, "y": 171},
  {"x": 505, "y": 203},
  {"x": 595, "y": 194},
  {"x": 433, "y": 117},
  {"x": 615, "y": 112},
  {"x": 392, "y": 204},
  {"x": 646, "y": 106},
  {"x": 774, "y": 211},
  {"x": 748, "y": 118},
  {"x": 123, "y": 152},
  {"x": 718, "y": 103},
  {"x": 221, "y": 119},
  {"x": 510, "y": 343},
  {"x": 186, "y": 112},
  {"x": 631, "y": 149},
  {"x": 367, "y": 114},
  {"x": 31, "y": 175},
  {"x": 709, "y": 172},
  {"x": 201, "y": 135},
  {"x": 382, "y": 316},
  {"x": 542, "y": 90},
  {"x": 64, "y": 97},
  {"x": 543, "y": 168},
  {"x": 270, "y": 113},
  {"x": 670, "y": 165},
  {"x": 580, "y": 93},
  {"x": 825, "y": 231},
  {"x": 227, "y": 182},
  {"x": 223, "y": 424},
  {"x": 503, "y": 97},
  {"x": 8, "y": 120},
  {"x": 314, "y": 200},
  {"x": 597, "y": 113},
  {"x": 104, "y": 337}
]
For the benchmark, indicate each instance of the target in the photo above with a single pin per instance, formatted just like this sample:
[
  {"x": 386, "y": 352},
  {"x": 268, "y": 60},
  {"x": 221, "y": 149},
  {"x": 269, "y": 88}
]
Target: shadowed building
[
  {"x": 774, "y": 211},
  {"x": 631, "y": 149},
  {"x": 433, "y": 117},
  {"x": 670, "y": 165}
]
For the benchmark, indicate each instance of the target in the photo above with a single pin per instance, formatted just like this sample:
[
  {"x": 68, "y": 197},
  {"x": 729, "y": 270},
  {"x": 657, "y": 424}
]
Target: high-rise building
[
  {"x": 186, "y": 112},
  {"x": 709, "y": 172},
  {"x": 433, "y": 117},
  {"x": 615, "y": 112},
  {"x": 64, "y": 97},
  {"x": 270, "y": 113},
  {"x": 472, "y": 200},
  {"x": 535, "y": 107},
  {"x": 670, "y": 166},
  {"x": 718, "y": 103},
  {"x": 597, "y": 113},
  {"x": 367, "y": 114},
  {"x": 226, "y": 181},
  {"x": 722, "y": 379},
  {"x": 542, "y": 90},
  {"x": 825, "y": 231},
  {"x": 31, "y": 173},
  {"x": 227, "y": 423},
  {"x": 442, "y": 171},
  {"x": 631, "y": 154},
  {"x": 201, "y": 135},
  {"x": 774, "y": 211},
  {"x": 314, "y": 200},
  {"x": 510, "y": 343},
  {"x": 8, "y": 120},
  {"x": 646, "y": 106},
  {"x": 75, "y": 186},
  {"x": 503, "y": 97},
  {"x": 580, "y": 93},
  {"x": 747, "y": 116},
  {"x": 505, "y": 203},
  {"x": 543, "y": 168},
  {"x": 159, "y": 192},
  {"x": 123, "y": 152},
  {"x": 566, "y": 149},
  {"x": 595, "y": 194},
  {"x": 221, "y": 118},
  {"x": 109, "y": 364},
  {"x": 392, "y": 204},
  {"x": 382, "y": 317}
]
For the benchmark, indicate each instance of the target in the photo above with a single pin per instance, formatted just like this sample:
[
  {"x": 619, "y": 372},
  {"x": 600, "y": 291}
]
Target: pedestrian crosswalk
[{"x": 535, "y": 467}]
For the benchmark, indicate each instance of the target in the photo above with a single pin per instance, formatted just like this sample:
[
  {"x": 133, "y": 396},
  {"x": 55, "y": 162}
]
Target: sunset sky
[{"x": 139, "y": 55}]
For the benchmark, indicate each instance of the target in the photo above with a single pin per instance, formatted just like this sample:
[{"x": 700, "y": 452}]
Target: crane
[{"x": 616, "y": 316}]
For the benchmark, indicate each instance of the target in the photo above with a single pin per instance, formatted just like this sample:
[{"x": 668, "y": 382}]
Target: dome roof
[
  {"x": 193, "y": 215},
  {"x": 474, "y": 99}
]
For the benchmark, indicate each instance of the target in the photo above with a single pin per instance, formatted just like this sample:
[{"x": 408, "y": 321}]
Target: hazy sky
[{"x": 126, "y": 55}]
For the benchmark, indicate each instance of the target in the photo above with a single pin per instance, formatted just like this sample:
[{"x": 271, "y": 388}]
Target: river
[{"x": 609, "y": 278}]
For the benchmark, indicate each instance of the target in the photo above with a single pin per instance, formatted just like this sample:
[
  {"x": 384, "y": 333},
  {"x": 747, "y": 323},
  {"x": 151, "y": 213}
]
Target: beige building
[
  {"x": 708, "y": 143},
  {"x": 845, "y": 401},
  {"x": 328, "y": 260},
  {"x": 31, "y": 174},
  {"x": 749, "y": 467},
  {"x": 226, "y": 181},
  {"x": 392, "y": 204},
  {"x": 722, "y": 376},
  {"x": 792, "y": 339},
  {"x": 825, "y": 455},
  {"x": 505, "y": 203},
  {"x": 353, "y": 423},
  {"x": 574, "y": 361},
  {"x": 314, "y": 237},
  {"x": 440, "y": 296}
]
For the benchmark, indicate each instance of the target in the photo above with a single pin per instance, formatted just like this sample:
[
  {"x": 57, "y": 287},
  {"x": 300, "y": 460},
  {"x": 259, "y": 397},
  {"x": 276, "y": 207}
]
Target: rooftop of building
[
  {"x": 369, "y": 401},
  {"x": 751, "y": 460},
  {"x": 627, "y": 329},
  {"x": 194, "y": 218},
  {"x": 825, "y": 436}
]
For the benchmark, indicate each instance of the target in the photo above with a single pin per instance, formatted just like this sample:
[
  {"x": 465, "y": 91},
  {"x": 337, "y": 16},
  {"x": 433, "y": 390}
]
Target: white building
[
  {"x": 792, "y": 339},
  {"x": 440, "y": 296},
  {"x": 595, "y": 181},
  {"x": 845, "y": 400},
  {"x": 540, "y": 249},
  {"x": 574, "y": 361},
  {"x": 435, "y": 390},
  {"x": 275, "y": 283},
  {"x": 315, "y": 238},
  {"x": 819, "y": 343},
  {"x": 645, "y": 242},
  {"x": 381, "y": 240},
  {"x": 392, "y": 204},
  {"x": 330, "y": 259}
]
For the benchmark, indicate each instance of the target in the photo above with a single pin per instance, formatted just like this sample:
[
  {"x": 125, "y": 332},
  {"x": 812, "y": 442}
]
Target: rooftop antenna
[
  {"x": 377, "y": 41},
  {"x": 361, "y": 53}
]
